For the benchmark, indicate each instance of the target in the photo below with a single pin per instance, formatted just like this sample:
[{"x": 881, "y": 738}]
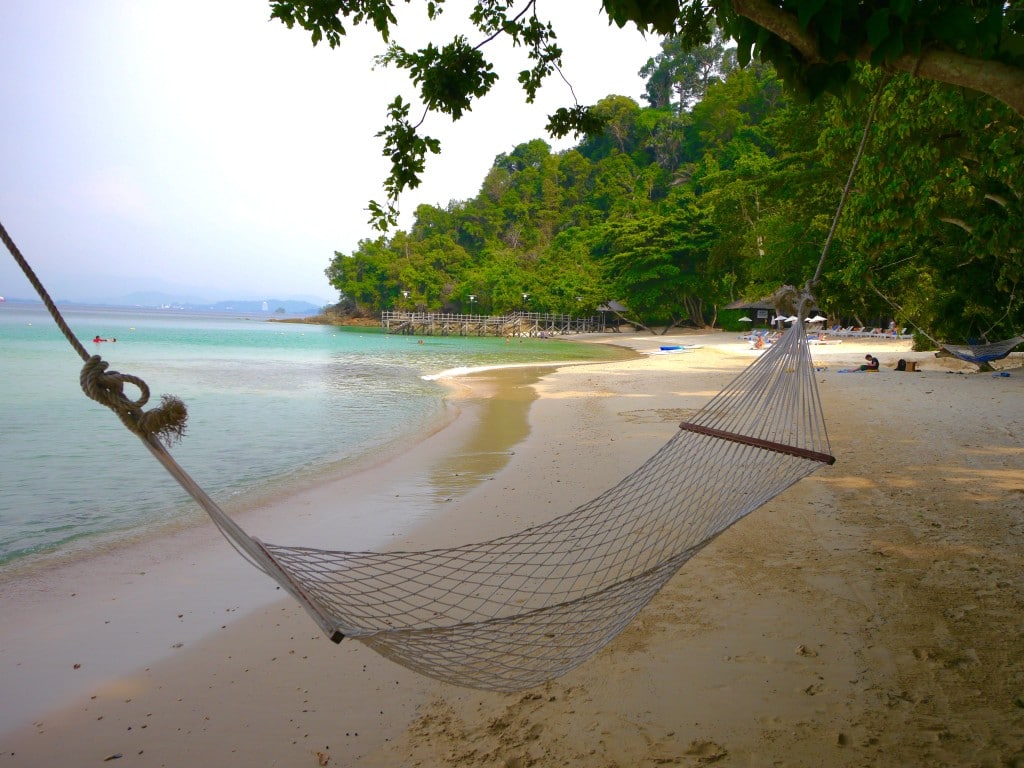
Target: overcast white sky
[{"x": 195, "y": 147}]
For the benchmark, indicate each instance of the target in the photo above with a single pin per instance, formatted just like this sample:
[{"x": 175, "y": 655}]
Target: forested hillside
[{"x": 723, "y": 186}]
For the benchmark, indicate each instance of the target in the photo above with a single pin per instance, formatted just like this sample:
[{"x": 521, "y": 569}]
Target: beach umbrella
[
  {"x": 745, "y": 319},
  {"x": 816, "y": 319},
  {"x": 792, "y": 319}
]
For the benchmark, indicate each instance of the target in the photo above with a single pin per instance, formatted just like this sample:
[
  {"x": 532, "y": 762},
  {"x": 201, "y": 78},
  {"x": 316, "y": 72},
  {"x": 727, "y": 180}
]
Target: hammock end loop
[
  {"x": 166, "y": 422},
  {"x": 107, "y": 388},
  {"x": 786, "y": 300},
  {"x": 790, "y": 300}
]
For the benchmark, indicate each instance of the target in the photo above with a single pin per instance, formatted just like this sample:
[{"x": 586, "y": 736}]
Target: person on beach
[{"x": 870, "y": 365}]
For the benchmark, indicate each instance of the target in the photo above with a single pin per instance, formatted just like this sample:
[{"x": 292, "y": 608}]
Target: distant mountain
[
  {"x": 163, "y": 301},
  {"x": 270, "y": 306},
  {"x": 155, "y": 299},
  {"x": 294, "y": 306}
]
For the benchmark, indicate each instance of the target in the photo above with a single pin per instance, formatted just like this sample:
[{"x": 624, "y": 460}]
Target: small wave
[
  {"x": 464, "y": 370},
  {"x": 452, "y": 373}
]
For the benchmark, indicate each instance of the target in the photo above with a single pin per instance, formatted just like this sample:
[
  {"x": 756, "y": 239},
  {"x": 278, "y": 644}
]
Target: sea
[{"x": 271, "y": 405}]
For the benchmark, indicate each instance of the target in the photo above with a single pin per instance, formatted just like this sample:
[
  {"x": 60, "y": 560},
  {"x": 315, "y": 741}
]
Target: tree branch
[
  {"x": 781, "y": 24},
  {"x": 1000, "y": 81},
  {"x": 958, "y": 223}
]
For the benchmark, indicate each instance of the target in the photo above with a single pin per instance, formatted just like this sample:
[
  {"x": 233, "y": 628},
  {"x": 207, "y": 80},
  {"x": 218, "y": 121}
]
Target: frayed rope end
[{"x": 166, "y": 423}]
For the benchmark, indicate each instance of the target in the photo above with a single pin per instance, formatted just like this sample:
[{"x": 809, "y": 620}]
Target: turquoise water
[{"x": 269, "y": 404}]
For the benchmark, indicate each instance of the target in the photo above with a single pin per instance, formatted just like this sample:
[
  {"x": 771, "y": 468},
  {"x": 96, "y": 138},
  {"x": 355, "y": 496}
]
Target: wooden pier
[{"x": 524, "y": 324}]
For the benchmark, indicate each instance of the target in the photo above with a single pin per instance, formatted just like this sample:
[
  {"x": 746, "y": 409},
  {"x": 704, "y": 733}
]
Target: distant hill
[
  {"x": 268, "y": 307},
  {"x": 302, "y": 306}
]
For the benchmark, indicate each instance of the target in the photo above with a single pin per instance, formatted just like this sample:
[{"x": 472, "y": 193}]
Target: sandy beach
[{"x": 872, "y": 615}]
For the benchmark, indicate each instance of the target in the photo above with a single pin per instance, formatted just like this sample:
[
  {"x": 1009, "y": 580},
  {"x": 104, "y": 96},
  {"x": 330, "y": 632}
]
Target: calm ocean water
[{"x": 269, "y": 404}]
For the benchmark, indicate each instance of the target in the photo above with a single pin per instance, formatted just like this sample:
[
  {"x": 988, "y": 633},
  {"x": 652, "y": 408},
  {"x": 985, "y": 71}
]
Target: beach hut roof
[{"x": 747, "y": 304}]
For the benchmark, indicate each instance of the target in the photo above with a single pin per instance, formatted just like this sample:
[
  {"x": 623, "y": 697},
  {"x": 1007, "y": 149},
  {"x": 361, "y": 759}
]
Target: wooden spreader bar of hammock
[{"x": 757, "y": 442}]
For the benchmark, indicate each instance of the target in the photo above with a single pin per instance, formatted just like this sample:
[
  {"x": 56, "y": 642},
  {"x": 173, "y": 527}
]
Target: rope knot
[
  {"x": 789, "y": 300},
  {"x": 166, "y": 422}
]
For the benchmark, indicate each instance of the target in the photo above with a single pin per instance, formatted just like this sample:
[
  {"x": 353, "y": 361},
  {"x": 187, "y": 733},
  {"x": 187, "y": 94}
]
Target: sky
[{"x": 199, "y": 149}]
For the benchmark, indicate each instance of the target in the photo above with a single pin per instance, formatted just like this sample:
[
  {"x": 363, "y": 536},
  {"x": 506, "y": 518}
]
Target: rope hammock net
[
  {"x": 980, "y": 354},
  {"x": 516, "y": 611}
]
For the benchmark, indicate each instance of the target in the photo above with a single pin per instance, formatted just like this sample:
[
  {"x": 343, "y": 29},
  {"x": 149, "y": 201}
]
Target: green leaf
[
  {"x": 451, "y": 78},
  {"x": 901, "y": 9},
  {"x": 955, "y": 25},
  {"x": 890, "y": 48},
  {"x": 746, "y": 36},
  {"x": 806, "y": 11},
  {"x": 878, "y": 27},
  {"x": 830, "y": 22},
  {"x": 661, "y": 16},
  {"x": 577, "y": 121},
  {"x": 912, "y": 40}
]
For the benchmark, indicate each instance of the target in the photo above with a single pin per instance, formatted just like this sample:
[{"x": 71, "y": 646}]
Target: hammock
[
  {"x": 982, "y": 354},
  {"x": 516, "y": 611}
]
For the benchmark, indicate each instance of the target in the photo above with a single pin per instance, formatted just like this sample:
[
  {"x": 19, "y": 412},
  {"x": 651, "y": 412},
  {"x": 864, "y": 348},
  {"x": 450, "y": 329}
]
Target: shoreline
[
  {"x": 783, "y": 641},
  {"x": 109, "y": 592}
]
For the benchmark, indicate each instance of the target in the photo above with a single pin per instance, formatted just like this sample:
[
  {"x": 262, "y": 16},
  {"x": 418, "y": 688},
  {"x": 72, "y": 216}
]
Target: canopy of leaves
[{"x": 813, "y": 45}]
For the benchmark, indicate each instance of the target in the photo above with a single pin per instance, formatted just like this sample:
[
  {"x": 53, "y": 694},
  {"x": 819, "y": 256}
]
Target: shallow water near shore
[{"x": 272, "y": 406}]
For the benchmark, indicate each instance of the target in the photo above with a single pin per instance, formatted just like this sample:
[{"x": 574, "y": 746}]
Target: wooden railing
[{"x": 530, "y": 324}]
